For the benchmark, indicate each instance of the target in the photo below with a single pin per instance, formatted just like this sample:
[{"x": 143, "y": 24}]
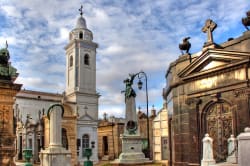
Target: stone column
[
  {"x": 232, "y": 150},
  {"x": 55, "y": 127},
  {"x": 208, "y": 157},
  {"x": 55, "y": 154},
  {"x": 131, "y": 109},
  {"x": 243, "y": 147}
]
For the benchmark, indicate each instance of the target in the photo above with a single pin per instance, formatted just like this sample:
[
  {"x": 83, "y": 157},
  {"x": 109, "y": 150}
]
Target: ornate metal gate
[{"x": 219, "y": 126}]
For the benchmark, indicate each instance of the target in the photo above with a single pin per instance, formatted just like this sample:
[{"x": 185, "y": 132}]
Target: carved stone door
[{"x": 219, "y": 127}]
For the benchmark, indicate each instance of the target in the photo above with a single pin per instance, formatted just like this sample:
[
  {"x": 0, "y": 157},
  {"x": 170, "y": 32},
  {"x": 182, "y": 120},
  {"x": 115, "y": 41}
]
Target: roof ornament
[
  {"x": 209, "y": 28},
  {"x": 6, "y": 44},
  {"x": 246, "y": 20},
  {"x": 81, "y": 12},
  {"x": 185, "y": 45}
]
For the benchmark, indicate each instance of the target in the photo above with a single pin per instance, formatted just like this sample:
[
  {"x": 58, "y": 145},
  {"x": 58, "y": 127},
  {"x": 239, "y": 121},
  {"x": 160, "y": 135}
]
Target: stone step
[
  {"x": 105, "y": 158},
  {"x": 224, "y": 164}
]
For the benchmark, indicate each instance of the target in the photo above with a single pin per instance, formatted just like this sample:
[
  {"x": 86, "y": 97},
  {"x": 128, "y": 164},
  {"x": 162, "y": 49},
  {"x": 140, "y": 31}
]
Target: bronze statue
[
  {"x": 246, "y": 20},
  {"x": 6, "y": 70},
  {"x": 185, "y": 45},
  {"x": 129, "y": 91},
  {"x": 4, "y": 55}
]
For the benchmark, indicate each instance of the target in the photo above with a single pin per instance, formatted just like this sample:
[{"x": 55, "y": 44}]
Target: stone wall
[{"x": 7, "y": 137}]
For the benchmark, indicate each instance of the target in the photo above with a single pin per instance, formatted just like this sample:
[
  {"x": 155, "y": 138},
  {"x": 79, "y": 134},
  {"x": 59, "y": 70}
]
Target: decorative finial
[
  {"x": 81, "y": 12},
  {"x": 105, "y": 116},
  {"x": 6, "y": 44},
  {"x": 209, "y": 28},
  {"x": 185, "y": 45},
  {"x": 39, "y": 114},
  {"x": 246, "y": 20}
]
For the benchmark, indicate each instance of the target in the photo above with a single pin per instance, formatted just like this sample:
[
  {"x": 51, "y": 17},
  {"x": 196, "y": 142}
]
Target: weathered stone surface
[
  {"x": 8, "y": 91},
  {"x": 55, "y": 154},
  {"x": 131, "y": 150}
]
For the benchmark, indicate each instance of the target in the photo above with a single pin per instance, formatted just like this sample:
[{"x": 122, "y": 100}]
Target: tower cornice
[{"x": 83, "y": 43}]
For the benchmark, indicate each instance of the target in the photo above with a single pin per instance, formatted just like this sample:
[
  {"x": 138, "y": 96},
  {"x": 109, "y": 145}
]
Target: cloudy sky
[{"x": 133, "y": 35}]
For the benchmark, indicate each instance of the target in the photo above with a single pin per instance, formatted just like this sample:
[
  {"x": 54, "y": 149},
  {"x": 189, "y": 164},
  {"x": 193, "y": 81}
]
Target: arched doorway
[
  {"x": 105, "y": 145},
  {"x": 218, "y": 122}
]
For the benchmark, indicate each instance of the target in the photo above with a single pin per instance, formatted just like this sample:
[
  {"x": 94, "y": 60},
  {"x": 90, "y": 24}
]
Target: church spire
[{"x": 81, "y": 22}]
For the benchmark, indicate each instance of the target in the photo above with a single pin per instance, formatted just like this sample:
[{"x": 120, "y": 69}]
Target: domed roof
[{"x": 81, "y": 23}]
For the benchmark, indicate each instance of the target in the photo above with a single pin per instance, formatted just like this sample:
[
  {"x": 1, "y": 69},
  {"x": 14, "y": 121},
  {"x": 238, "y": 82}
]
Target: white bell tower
[
  {"x": 81, "y": 60},
  {"x": 81, "y": 86}
]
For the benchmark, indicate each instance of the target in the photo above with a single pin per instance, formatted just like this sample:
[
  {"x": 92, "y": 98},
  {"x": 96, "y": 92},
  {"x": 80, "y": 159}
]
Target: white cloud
[
  {"x": 11, "y": 11},
  {"x": 112, "y": 50}
]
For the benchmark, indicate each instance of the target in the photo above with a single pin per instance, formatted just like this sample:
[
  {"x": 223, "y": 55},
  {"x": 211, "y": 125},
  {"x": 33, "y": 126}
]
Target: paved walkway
[
  {"x": 101, "y": 163},
  {"x": 22, "y": 164},
  {"x": 19, "y": 164}
]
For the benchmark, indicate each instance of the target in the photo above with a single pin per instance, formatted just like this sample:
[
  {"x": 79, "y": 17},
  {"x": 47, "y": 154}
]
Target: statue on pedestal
[
  {"x": 131, "y": 139},
  {"x": 208, "y": 157},
  {"x": 131, "y": 118},
  {"x": 232, "y": 150},
  {"x": 8, "y": 90}
]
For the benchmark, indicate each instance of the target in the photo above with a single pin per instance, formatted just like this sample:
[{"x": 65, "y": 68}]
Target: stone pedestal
[
  {"x": 8, "y": 91},
  {"x": 244, "y": 147},
  {"x": 232, "y": 150},
  {"x": 208, "y": 157},
  {"x": 7, "y": 150},
  {"x": 131, "y": 151},
  {"x": 55, "y": 154},
  {"x": 131, "y": 114}
]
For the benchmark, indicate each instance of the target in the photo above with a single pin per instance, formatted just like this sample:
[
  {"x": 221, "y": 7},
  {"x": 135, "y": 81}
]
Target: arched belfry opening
[
  {"x": 86, "y": 59},
  {"x": 80, "y": 35},
  {"x": 71, "y": 61}
]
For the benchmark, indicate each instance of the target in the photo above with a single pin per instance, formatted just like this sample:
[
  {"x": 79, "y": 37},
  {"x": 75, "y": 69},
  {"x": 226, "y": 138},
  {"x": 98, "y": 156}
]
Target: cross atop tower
[
  {"x": 81, "y": 12},
  {"x": 209, "y": 28}
]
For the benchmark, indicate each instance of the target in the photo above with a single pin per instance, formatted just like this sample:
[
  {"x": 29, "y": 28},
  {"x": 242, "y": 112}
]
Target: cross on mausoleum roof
[{"x": 209, "y": 28}]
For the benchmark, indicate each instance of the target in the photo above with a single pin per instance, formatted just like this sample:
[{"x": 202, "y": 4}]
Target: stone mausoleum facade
[{"x": 208, "y": 92}]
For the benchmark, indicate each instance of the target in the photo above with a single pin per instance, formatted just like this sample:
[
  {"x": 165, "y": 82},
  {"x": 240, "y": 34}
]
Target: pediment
[
  {"x": 86, "y": 117},
  {"x": 213, "y": 60}
]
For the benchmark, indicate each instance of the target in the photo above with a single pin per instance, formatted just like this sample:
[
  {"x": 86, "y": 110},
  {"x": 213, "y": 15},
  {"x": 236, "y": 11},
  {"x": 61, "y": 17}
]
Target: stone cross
[
  {"x": 209, "y": 28},
  {"x": 80, "y": 10}
]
